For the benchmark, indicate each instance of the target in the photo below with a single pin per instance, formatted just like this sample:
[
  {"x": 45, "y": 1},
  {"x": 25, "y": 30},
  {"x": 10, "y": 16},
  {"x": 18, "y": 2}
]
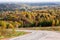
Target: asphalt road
[{"x": 38, "y": 35}]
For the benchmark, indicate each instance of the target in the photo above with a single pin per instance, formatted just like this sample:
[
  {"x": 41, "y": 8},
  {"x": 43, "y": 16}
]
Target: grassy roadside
[
  {"x": 20, "y": 33},
  {"x": 42, "y": 28},
  {"x": 11, "y": 35}
]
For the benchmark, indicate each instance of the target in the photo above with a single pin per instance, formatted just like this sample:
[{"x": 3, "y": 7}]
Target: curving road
[{"x": 38, "y": 35}]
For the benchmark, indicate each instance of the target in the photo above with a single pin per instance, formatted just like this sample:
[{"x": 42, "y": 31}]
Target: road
[{"x": 38, "y": 35}]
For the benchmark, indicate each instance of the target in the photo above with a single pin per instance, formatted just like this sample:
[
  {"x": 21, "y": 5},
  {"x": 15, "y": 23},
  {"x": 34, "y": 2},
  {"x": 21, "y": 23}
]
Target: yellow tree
[
  {"x": 3, "y": 25},
  {"x": 11, "y": 26},
  {"x": 57, "y": 22},
  {"x": 53, "y": 22}
]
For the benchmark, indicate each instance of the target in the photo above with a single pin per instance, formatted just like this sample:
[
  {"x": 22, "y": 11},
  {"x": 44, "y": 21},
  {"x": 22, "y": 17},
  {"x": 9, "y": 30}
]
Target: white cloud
[{"x": 29, "y": 0}]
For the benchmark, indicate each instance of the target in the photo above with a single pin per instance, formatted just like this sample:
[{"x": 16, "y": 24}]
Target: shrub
[{"x": 45, "y": 23}]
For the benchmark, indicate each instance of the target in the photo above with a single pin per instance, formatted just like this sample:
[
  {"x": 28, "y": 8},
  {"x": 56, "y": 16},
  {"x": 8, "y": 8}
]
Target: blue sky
[{"x": 29, "y": 0}]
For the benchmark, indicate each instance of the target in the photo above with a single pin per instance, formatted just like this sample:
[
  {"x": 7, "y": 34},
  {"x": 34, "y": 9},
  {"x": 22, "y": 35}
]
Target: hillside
[{"x": 13, "y": 6}]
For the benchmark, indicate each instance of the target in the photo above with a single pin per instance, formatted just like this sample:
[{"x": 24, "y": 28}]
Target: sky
[{"x": 29, "y": 1}]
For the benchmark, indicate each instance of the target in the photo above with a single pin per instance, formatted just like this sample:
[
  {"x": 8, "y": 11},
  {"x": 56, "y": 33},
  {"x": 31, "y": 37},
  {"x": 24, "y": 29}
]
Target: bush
[
  {"x": 45, "y": 23},
  {"x": 29, "y": 25}
]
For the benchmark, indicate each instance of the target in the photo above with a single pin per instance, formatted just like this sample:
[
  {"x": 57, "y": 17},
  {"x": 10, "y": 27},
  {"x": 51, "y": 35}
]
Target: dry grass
[
  {"x": 11, "y": 35},
  {"x": 57, "y": 28}
]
